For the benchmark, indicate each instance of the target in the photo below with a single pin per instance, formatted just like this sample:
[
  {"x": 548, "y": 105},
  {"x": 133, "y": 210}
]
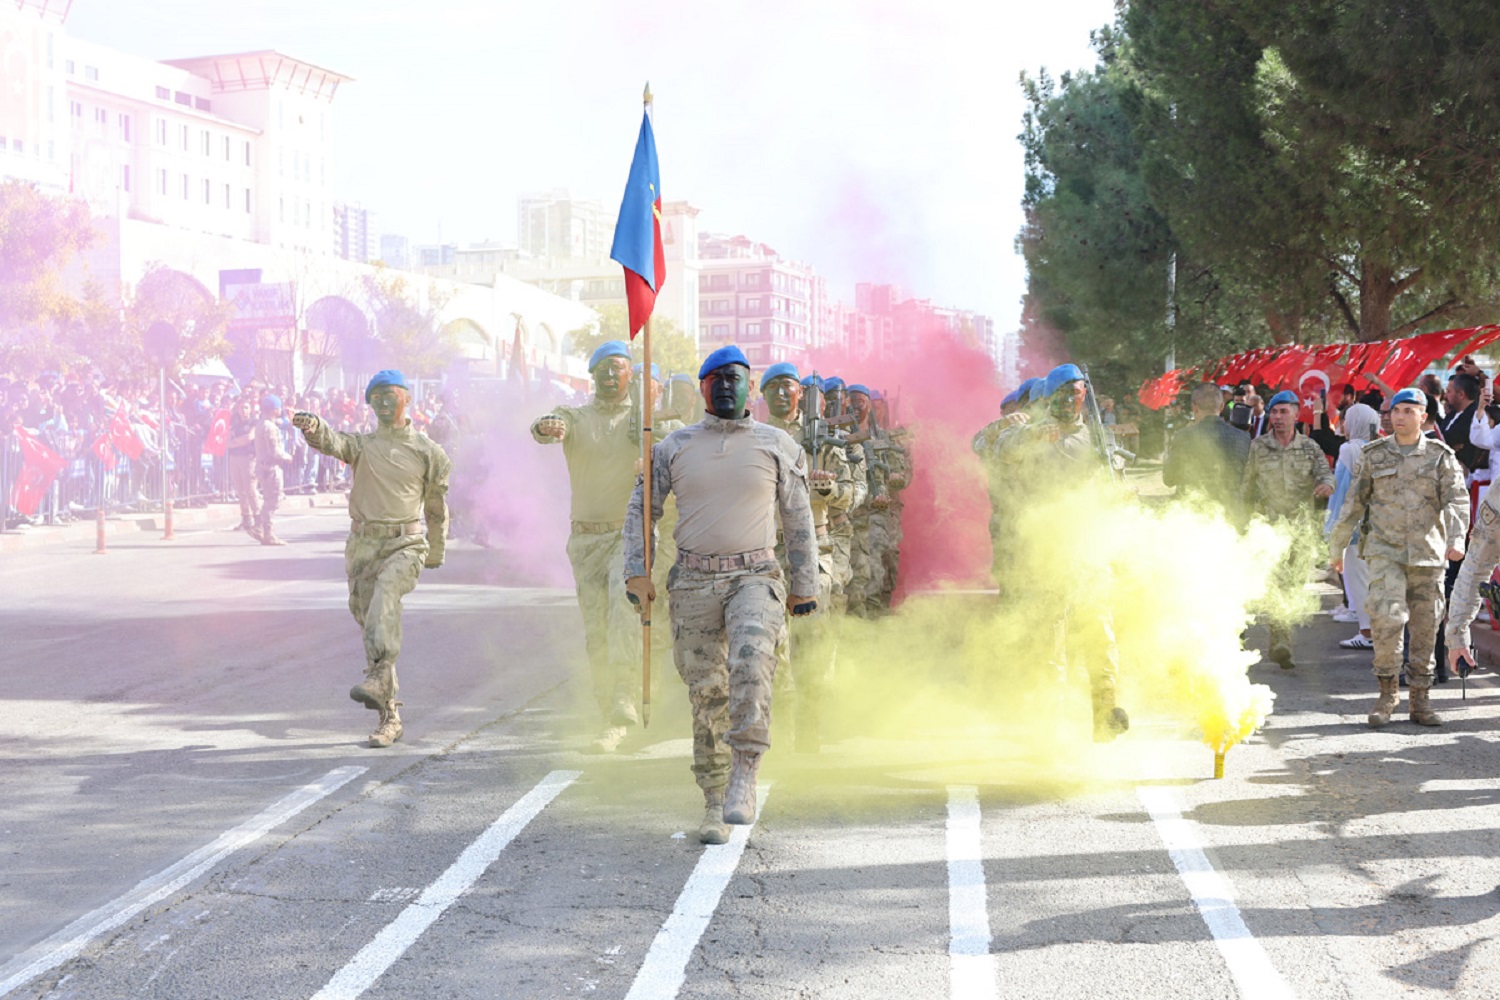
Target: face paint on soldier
[
  {"x": 783, "y": 395},
  {"x": 389, "y": 404},
  {"x": 612, "y": 380},
  {"x": 726, "y": 390},
  {"x": 1406, "y": 422},
  {"x": 859, "y": 404},
  {"x": 833, "y": 402},
  {"x": 1066, "y": 404}
]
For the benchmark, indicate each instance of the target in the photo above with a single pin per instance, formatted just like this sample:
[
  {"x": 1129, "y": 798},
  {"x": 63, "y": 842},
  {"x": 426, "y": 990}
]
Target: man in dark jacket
[{"x": 1208, "y": 456}]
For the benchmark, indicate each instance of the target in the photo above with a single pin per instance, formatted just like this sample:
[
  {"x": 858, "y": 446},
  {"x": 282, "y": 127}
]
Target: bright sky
[{"x": 874, "y": 140}]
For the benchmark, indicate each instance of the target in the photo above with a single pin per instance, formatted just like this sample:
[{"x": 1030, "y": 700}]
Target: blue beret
[
  {"x": 856, "y": 387},
  {"x": 727, "y": 355},
  {"x": 1416, "y": 396},
  {"x": 813, "y": 382},
  {"x": 1011, "y": 397},
  {"x": 608, "y": 349},
  {"x": 388, "y": 376},
  {"x": 782, "y": 369},
  {"x": 1031, "y": 390},
  {"x": 655, "y": 370},
  {"x": 1061, "y": 376},
  {"x": 833, "y": 383},
  {"x": 1288, "y": 396},
  {"x": 877, "y": 396},
  {"x": 270, "y": 402}
]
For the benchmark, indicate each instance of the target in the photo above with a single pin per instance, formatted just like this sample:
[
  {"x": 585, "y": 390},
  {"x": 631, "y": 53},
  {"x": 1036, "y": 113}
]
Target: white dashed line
[
  {"x": 973, "y": 973},
  {"x": 1249, "y": 965},
  {"x": 69, "y": 942},
  {"x": 377, "y": 956},
  {"x": 665, "y": 967}
]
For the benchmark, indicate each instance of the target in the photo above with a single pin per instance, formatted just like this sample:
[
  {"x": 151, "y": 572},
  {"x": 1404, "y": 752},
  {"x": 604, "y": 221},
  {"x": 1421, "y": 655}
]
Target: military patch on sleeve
[{"x": 1488, "y": 515}]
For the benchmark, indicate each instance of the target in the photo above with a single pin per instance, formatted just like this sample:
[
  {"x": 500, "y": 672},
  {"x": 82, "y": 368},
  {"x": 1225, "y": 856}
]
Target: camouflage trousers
[
  {"x": 841, "y": 537},
  {"x": 867, "y": 564},
  {"x": 611, "y": 628},
  {"x": 269, "y": 481},
  {"x": 242, "y": 481},
  {"x": 1400, "y": 596},
  {"x": 890, "y": 553},
  {"x": 725, "y": 628},
  {"x": 381, "y": 572}
]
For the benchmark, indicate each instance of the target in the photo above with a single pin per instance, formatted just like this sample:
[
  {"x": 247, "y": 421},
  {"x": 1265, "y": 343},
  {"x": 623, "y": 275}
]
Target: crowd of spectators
[
  {"x": 1209, "y": 455},
  {"x": 86, "y": 420}
]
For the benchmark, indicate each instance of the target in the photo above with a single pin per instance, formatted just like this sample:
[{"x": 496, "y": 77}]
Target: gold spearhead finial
[{"x": 646, "y": 97}]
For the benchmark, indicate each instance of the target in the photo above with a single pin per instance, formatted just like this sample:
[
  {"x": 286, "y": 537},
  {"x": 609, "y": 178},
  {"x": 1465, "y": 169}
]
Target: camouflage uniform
[
  {"x": 1278, "y": 482},
  {"x": 841, "y": 528},
  {"x": 601, "y": 457},
  {"x": 866, "y": 565},
  {"x": 400, "y": 478},
  {"x": 731, "y": 478},
  {"x": 270, "y": 456},
  {"x": 1047, "y": 455},
  {"x": 809, "y": 647},
  {"x": 899, "y": 456},
  {"x": 1410, "y": 507},
  {"x": 1482, "y": 558},
  {"x": 987, "y": 444}
]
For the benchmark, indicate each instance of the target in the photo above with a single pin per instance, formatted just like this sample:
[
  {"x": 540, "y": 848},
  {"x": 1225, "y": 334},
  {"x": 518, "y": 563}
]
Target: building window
[
  {"x": 125, "y": 179},
  {"x": 282, "y": 210},
  {"x": 247, "y": 152},
  {"x": 227, "y": 144},
  {"x": 17, "y": 146},
  {"x": 207, "y": 143},
  {"x": 247, "y": 200},
  {"x": 752, "y": 279},
  {"x": 51, "y": 151},
  {"x": 91, "y": 72},
  {"x": 162, "y": 93},
  {"x": 184, "y": 129},
  {"x": 51, "y": 97},
  {"x": 161, "y": 131},
  {"x": 162, "y": 176},
  {"x": 75, "y": 108},
  {"x": 186, "y": 100},
  {"x": 184, "y": 187},
  {"x": 100, "y": 117},
  {"x": 226, "y": 195},
  {"x": 752, "y": 329},
  {"x": 203, "y": 104},
  {"x": 125, "y": 127},
  {"x": 752, "y": 305},
  {"x": 68, "y": 65},
  {"x": 721, "y": 330},
  {"x": 208, "y": 192}
]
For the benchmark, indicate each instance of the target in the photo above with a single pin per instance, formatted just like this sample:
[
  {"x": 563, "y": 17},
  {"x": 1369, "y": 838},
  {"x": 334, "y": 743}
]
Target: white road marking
[
  {"x": 400, "y": 934},
  {"x": 1249, "y": 965},
  {"x": 972, "y": 970},
  {"x": 665, "y": 968},
  {"x": 69, "y": 942}
]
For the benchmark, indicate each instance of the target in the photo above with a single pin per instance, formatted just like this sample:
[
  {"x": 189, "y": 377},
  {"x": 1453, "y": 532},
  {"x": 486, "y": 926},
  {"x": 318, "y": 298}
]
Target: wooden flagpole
[{"x": 647, "y": 408}]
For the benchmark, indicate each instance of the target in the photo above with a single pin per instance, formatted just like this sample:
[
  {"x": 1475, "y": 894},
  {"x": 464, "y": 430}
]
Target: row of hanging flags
[
  {"x": 41, "y": 465},
  {"x": 1291, "y": 366}
]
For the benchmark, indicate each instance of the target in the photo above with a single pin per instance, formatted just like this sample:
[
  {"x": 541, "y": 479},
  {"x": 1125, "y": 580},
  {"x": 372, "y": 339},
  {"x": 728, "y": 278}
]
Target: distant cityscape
[{"x": 222, "y": 165}]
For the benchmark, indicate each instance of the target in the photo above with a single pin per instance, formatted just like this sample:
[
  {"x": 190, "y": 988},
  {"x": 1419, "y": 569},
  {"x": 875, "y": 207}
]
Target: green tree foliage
[
  {"x": 39, "y": 314},
  {"x": 412, "y": 336},
  {"x": 672, "y": 350},
  {"x": 168, "y": 296}
]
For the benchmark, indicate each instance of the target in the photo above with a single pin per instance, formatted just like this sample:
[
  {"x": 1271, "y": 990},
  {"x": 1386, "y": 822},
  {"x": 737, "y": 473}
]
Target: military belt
[
  {"x": 597, "y": 527},
  {"x": 369, "y": 529},
  {"x": 721, "y": 564}
]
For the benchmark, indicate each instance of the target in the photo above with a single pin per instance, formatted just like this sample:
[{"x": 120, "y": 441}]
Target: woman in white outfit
[{"x": 1361, "y": 423}]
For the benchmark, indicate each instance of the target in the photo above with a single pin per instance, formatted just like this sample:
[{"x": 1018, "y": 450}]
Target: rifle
[
  {"x": 637, "y": 415},
  {"x": 877, "y": 469},
  {"x": 1114, "y": 456},
  {"x": 814, "y": 429}
]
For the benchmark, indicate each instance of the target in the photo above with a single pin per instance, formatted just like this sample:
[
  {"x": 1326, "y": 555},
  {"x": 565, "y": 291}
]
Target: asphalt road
[{"x": 189, "y": 812}]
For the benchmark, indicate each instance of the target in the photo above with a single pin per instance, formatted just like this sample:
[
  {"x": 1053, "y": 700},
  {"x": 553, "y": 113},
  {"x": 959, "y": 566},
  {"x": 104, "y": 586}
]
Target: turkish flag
[
  {"x": 39, "y": 466},
  {"x": 124, "y": 437},
  {"x": 104, "y": 451},
  {"x": 217, "y": 441}
]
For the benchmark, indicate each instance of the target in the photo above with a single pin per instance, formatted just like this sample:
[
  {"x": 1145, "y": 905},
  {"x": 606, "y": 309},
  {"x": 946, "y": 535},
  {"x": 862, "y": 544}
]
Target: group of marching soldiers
[{"x": 766, "y": 535}]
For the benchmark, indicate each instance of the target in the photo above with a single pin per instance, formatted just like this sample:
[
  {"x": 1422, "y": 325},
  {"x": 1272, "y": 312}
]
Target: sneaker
[
  {"x": 1357, "y": 641},
  {"x": 1344, "y": 615}
]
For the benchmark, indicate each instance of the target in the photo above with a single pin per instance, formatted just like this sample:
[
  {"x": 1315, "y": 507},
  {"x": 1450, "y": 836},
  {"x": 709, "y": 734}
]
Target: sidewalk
[{"x": 215, "y": 515}]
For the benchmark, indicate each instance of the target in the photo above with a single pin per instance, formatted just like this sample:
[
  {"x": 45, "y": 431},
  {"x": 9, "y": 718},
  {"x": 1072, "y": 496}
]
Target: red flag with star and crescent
[{"x": 39, "y": 467}]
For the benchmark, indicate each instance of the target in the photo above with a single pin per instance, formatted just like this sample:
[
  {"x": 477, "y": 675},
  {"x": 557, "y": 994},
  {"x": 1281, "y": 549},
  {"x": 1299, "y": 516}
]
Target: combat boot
[
  {"x": 389, "y": 730},
  {"x": 268, "y": 537},
  {"x": 1390, "y": 694},
  {"x": 713, "y": 829},
  {"x": 1421, "y": 709},
  {"x": 609, "y": 741},
  {"x": 739, "y": 797},
  {"x": 1109, "y": 719},
  {"x": 377, "y": 689}
]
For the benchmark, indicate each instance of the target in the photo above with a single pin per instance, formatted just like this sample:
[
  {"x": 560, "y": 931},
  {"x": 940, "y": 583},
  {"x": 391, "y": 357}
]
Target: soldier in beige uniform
[
  {"x": 1408, "y": 500},
  {"x": 809, "y": 649},
  {"x": 400, "y": 479},
  {"x": 841, "y": 522},
  {"x": 1285, "y": 473},
  {"x": 270, "y": 457},
  {"x": 602, "y": 457},
  {"x": 732, "y": 478}
]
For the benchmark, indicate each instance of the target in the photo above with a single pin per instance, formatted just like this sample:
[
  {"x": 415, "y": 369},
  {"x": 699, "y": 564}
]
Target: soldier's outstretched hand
[
  {"x": 641, "y": 592},
  {"x": 821, "y": 480},
  {"x": 552, "y": 427},
  {"x": 801, "y": 606},
  {"x": 304, "y": 421}
]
